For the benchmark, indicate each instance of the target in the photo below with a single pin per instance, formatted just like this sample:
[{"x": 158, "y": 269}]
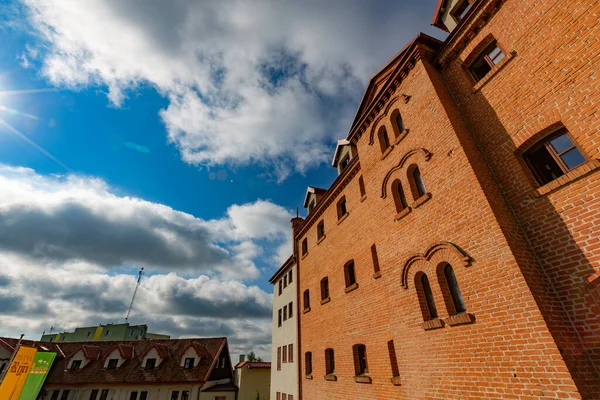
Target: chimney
[{"x": 242, "y": 357}]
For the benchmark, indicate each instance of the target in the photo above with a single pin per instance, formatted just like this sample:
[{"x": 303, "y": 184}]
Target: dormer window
[
  {"x": 112, "y": 363},
  {"x": 107, "y": 332},
  {"x": 150, "y": 363},
  {"x": 344, "y": 163},
  {"x": 75, "y": 365},
  {"x": 311, "y": 206},
  {"x": 188, "y": 363},
  {"x": 460, "y": 12}
]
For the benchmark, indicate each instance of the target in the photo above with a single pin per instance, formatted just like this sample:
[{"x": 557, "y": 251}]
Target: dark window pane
[
  {"x": 133, "y": 396},
  {"x": 144, "y": 396},
  {"x": 545, "y": 166},
  {"x": 399, "y": 123},
  {"x": 572, "y": 158},
  {"x": 561, "y": 143},
  {"x": 457, "y": 299},
  {"x": 104, "y": 394},
  {"x": 480, "y": 68},
  {"x": 428, "y": 297},
  {"x": 496, "y": 55},
  {"x": 462, "y": 10},
  {"x": 94, "y": 394}
]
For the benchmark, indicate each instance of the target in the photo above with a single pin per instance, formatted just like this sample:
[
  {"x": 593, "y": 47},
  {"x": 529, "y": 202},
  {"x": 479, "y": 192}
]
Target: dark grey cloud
[{"x": 188, "y": 304}]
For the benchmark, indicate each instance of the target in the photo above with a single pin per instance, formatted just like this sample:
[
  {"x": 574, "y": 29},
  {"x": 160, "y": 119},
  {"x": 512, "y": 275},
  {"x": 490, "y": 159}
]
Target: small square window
[
  {"x": 112, "y": 363},
  {"x": 188, "y": 363},
  {"x": 75, "y": 365},
  {"x": 150, "y": 363}
]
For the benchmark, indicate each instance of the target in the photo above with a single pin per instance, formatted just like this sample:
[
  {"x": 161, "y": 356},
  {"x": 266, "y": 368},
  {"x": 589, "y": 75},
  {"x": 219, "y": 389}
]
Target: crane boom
[{"x": 140, "y": 274}]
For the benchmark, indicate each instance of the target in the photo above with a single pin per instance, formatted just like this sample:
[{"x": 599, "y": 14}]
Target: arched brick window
[
  {"x": 452, "y": 296},
  {"x": 397, "y": 123},
  {"x": 360, "y": 359},
  {"x": 308, "y": 363},
  {"x": 306, "y": 299},
  {"x": 384, "y": 139},
  {"x": 415, "y": 178},
  {"x": 350, "y": 273},
  {"x": 426, "y": 300},
  {"x": 399, "y": 197},
  {"x": 329, "y": 361}
]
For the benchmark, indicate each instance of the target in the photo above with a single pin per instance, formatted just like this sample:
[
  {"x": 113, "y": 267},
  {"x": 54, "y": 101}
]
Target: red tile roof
[
  {"x": 253, "y": 364},
  {"x": 131, "y": 371}
]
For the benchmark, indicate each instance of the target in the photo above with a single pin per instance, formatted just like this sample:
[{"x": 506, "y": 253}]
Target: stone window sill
[
  {"x": 387, "y": 151},
  {"x": 307, "y": 309},
  {"x": 308, "y": 376},
  {"x": 352, "y": 287},
  {"x": 584, "y": 169},
  {"x": 362, "y": 379},
  {"x": 343, "y": 218},
  {"x": 401, "y": 136},
  {"x": 363, "y": 198},
  {"x": 320, "y": 240},
  {"x": 460, "y": 319},
  {"x": 402, "y": 213},
  {"x": 433, "y": 324},
  {"x": 494, "y": 71},
  {"x": 330, "y": 377},
  {"x": 421, "y": 200},
  {"x": 395, "y": 380},
  {"x": 325, "y": 301},
  {"x": 377, "y": 275}
]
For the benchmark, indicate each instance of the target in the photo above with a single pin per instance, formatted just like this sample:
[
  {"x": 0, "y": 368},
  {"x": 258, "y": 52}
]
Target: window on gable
[
  {"x": 311, "y": 206},
  {"x": 306, "y": 299},
  {"x": 426, "y": 299},
  {"x": 399, "y": 196},
  {"x": 487, "y": 60},
  {"x": 307, "y": 363},
  {"x": 305, "y": 247},
  {"x": 75, "y": 365},
  {"x": 280, "y": 317},
  {"x": 223, "y": 362},
  {"x": 360, "y": 359},
  {"x": 350, "y": 273},
  {"x": 342, "y": 210},
  {"x": 345, "y": 161},
  {"x": 384, "y": 139},
  {"x": 188, "y": 363},
  {"x": 324, "y": 288},
  {"x": 150, "y": 363},
  {"x": 554, "y": 156},
  {"x": 461, "y": 11},
  {"x": 320, "y": 230},
  {"x": 454, "y": 291},
  {"x": 329, "y": 361},
  {"x": 112, "y": 363}
]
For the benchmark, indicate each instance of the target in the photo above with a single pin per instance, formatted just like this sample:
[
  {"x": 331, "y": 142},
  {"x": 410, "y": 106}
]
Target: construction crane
[{"x": 137, "y": 286}]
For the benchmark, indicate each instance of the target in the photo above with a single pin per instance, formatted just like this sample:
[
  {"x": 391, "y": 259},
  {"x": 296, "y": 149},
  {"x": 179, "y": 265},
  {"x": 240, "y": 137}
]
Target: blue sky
[{"x": 177, "y": 136}]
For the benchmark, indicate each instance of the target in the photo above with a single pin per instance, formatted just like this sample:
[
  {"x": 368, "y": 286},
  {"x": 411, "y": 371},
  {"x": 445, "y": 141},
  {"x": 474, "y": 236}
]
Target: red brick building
[{"x": 457, "y": 254}]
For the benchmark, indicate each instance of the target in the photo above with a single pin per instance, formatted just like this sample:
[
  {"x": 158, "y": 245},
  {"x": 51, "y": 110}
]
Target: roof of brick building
[
  {"x": 253, "y": 364},
  {"x": 131, "y": 371}
]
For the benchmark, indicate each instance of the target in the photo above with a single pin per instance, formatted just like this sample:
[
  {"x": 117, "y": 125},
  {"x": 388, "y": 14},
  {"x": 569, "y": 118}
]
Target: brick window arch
[
  {"x": 397, "y": 123},
  {"x": 350, "y": 273},
  {"x": 306, "y": 299},
  {"x": 417, "y": 185},
  {"x": 399, "y": 196},
  {"x": 455, "y": 303},
  {"x": 308, "y": 363},
  {"x": 425, "y": 295},
  {"x": 329, "y": 361},
  {"x": 359, "y": 352},
  {"x": 384, "y": 139}
]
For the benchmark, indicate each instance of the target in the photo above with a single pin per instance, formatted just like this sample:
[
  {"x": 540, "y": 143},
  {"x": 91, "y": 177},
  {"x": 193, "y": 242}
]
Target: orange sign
[{"x": 17, "y": 373}]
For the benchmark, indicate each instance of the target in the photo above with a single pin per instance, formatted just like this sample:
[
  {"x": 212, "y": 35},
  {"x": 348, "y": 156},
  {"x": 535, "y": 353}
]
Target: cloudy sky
[{"x": 176, "y": 136}]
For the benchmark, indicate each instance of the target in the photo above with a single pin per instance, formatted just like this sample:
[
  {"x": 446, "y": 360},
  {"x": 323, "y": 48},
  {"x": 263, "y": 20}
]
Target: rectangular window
[
  {"x": 112, "y": 363},
  {"x": 283, "y": 396},
  {"x": 329, "y": 361},
  {"x": 361, "y": 186},
  {"x": 133, "y": 396},
  {"x": 360, "y": 359},
  {"x": 290, "y": 276},
  {"x": 290, "y": 353},
  {"x": 94, "y": 395},
  {"x": 185, "y": 395},
  {"x": 284, "y": 281},
  {"x": 308, "y": 363},
  {"x": 220, "y": 397},
  {"x": 304, "y": 247},
  {"x": 279, "y": 359},
  {"x": 150, "y": 363},
  {"x": 175, "y": 395},
  {"x": 55, "y": 395},
  {"x": 554, "y": 156},
  {"x": 284, "y": 354},
  {"x": 488, "y": 59},
  {"x": 461, "y": 11},
  {"x": 75, "y": 365},
  {"x": 107, "y": 332},
  {"x": 280, "y": 317},
  {"x": 393, "y": 359},
  {"x": 290, "y": 312},
  {"x": 223, "y": 362},
  {"x": 284, "y": 313},
  {"x": 188, "y": 363},
  {"x": 278, "y": 395},
  {"x": 350, "y": 274},
  {"x": 324, "y": 288},
  {"x": 341, "y": 207},
  {"x": 144, "y": 395},
  {"x": 65, "y": 395},
  {"x": 306, "y": 299},
  {"x": 104, "y": 394},
  {"x": 280, "y": 286},
  {"x": 375, "y": 258},
  {"x": 290, "y": 397},
  {"x": 320, "y": 230},
  {"x": 344, "y": 163}
]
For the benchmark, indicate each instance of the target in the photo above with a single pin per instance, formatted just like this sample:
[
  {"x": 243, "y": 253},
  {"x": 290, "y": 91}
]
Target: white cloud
[{"x": 249, "y": 81}]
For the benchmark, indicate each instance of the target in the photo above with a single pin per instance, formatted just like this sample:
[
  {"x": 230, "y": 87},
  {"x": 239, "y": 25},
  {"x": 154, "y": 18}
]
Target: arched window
[
  {"x": 425, "y": 295},
  {"x": 399, "y": 197},
  {"x": 417, "y": 185},
  {"x": 454, "y": 290},
  {"x": 384, "y": 139},
  {"x": 399, "y": 122},
  {"x": 342, "y": 209},
  {"x": 360, "y": 359},
  {"x": 306, "y": 299},
  {"x": 308, "y": 363},
  {"x": 349, "y": 273},
  {"x": 329, "y": 361}
]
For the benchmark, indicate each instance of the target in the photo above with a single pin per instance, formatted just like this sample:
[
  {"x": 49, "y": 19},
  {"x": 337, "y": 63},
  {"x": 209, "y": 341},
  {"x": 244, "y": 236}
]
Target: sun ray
[
  {"x": 24, "y": 137},
  {"x": 17, "y": 112},
  {"x": 25, "y": 91}
]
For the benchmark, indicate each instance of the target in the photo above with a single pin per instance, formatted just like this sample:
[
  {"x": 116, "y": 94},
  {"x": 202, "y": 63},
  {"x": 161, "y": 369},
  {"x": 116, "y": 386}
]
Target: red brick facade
[{"x": 525, "y": 257}]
